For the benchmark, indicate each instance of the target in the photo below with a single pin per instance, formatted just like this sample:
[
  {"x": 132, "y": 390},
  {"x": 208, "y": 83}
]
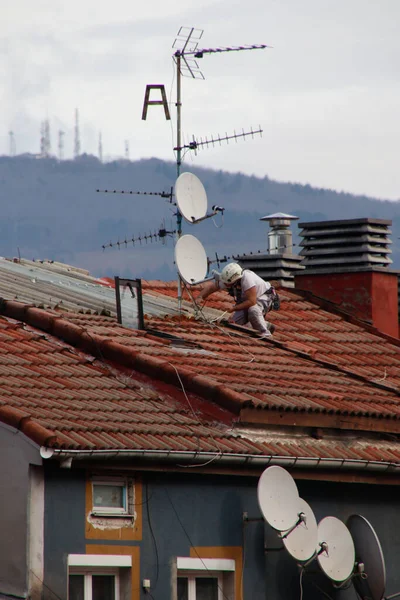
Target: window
[
  {"x": 110, "y": 496},
  {"x": 93, "y": 586},
  {"x": 205, "y": 579},
  {"x": 98, "y": 577},
  {"x": 198, "y": 586}
]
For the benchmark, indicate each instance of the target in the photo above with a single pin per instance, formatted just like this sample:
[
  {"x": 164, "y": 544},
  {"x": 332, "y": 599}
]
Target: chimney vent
[
  {"x": 351, "y": 245},
  {"x": 346, "y": 262},
  {"x": 280, "y": 235},
  {"x": 279, "y": 263}
]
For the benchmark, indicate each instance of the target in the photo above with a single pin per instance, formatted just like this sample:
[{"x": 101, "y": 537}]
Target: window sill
[{"x": 112, "y": 515}]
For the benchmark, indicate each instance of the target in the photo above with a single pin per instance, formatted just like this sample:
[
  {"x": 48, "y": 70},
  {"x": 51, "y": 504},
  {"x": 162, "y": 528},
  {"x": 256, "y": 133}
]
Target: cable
[
  {"x": 301, "y": 583},
  {"x": 152, "y": 535},
  {"x": 191, "y": 543},
  {"x": 200, "y": 423},
  {"x": 46, "y": 586},
  {"x": 200, "y": 314}
]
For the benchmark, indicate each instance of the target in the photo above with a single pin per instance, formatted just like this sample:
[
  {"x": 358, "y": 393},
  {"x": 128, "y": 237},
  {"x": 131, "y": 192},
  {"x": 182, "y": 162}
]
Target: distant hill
[{"x": 50, "y": 210}]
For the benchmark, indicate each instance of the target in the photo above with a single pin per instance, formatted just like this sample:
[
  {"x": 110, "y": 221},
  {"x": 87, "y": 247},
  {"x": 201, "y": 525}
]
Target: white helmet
[{"x": 231, "y": 273}]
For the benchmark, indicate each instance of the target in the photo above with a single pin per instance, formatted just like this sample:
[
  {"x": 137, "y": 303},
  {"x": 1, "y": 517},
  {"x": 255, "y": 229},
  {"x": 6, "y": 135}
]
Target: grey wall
[
  {"x": 16, "y": 454},
  {"x": 195, "y": 510},
  {"x": 64, "y": 525}
]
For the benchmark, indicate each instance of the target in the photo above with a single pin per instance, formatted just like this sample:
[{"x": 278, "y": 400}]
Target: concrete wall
[
  {"x": 180, "y": 513},
  {"x": 17, "y": 453}
]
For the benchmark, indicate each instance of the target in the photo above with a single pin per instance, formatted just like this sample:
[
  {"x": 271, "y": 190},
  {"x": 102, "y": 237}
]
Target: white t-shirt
[{"x": 249, "y": 279}]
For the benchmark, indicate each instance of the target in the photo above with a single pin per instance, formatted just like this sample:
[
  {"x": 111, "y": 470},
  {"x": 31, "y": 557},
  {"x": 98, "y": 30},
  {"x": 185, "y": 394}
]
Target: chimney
[
  {"x": 346, "y": 262},
  {"x": 279, "y": 263}
]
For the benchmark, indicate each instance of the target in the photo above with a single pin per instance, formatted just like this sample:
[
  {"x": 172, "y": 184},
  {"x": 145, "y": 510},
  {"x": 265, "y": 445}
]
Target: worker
[{"x": 253, "y": 296}]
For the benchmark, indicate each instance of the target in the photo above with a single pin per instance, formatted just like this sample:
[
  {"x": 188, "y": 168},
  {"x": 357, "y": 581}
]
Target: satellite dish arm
[
  {"x": 215, "y": 210},
  {"x": 211, "y": 287}
]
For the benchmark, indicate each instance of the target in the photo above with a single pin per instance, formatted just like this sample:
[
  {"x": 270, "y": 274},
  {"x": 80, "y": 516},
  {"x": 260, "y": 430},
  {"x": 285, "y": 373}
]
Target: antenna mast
[
  {"x": 100, "y": 148},
  {"x": 77, "y": 141},
  {"x": 188, "y": 38},
  {"x": 13, "y": 147},
  {"x": 61, "y": 144}
]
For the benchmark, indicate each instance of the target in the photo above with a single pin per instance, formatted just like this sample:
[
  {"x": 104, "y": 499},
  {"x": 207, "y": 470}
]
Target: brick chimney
[{"x": 346, "y": 262}]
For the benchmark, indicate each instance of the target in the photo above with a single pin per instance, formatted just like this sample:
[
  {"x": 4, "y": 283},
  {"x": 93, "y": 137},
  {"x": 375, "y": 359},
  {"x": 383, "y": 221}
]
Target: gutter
[{"x": 206, "y": 458}]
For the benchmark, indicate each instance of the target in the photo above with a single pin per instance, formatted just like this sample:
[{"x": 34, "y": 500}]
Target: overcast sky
[{"x": 327, "y": 95}]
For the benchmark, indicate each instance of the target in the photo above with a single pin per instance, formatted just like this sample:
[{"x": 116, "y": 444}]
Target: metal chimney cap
[{"x": 279, "y": 215}]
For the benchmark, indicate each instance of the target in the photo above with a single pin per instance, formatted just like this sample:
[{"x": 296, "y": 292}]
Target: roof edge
[
  {"x": 23, "y": 422},
  {"x": 258, "y": 460}
]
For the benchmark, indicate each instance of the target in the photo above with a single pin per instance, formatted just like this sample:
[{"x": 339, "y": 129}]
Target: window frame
[
  {"x": 111, "y": 511},
  {"x": 88, "y": 573},
  {"x": 191, "y": 576},
  {"x": 220, "y": 568}
]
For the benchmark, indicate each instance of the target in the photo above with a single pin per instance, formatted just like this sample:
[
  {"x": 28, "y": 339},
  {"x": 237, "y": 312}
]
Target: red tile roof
[{"x": 171, "y": 397}]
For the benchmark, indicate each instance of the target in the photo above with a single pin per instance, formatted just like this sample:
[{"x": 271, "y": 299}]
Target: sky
[{"x": 326, "y": 93}]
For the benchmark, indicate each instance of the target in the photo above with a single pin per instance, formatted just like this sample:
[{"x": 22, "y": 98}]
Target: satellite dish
[
  {"x": 191, "y": 259},
  {"x": 191, "y": 197},
  {"x": 337, "y": 554},
  {"x": 278, "y": 498},
  {"x": 302, "y": 541},
  {"x": 369, "y": 554}
]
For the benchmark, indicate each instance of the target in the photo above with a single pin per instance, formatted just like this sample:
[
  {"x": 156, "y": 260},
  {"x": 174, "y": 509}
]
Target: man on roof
[{"x": 253, "y": 296}]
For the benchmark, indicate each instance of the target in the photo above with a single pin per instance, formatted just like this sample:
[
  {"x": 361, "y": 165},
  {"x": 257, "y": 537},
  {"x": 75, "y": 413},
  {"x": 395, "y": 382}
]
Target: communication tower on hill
[
  {"x": 12, "y": 144},
  {"x": 77, "y": 140},
  {"x": 61, "y": 144},
  {"x": 45, "y": 143},
  {"x": 100, "y": 148}
]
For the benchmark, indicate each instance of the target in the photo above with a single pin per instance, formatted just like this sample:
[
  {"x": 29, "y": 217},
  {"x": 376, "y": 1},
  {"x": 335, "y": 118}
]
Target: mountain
[{"x": 50, "y": 209}]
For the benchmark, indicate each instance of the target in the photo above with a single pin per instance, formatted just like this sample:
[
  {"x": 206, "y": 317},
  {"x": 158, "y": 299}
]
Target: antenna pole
[{"x": 178, "y": 155}]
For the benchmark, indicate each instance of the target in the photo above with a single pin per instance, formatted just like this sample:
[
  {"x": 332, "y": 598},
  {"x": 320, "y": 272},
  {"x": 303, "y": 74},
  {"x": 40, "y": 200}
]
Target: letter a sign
[{"x": 162, "y": 102}]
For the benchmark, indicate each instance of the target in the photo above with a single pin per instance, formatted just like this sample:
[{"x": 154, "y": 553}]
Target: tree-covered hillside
[{"x": 50, "y": 210}]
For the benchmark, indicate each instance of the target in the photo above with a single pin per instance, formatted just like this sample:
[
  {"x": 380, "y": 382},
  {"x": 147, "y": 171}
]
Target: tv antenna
[
  {"x": 191, "y": 198},
  {"x": 186, "y": 54},
  {"x": 160, "y": 234}
]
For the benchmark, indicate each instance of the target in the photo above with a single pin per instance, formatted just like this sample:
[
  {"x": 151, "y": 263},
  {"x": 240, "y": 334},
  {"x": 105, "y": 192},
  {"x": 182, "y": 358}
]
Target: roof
[{"x": 79, "y": 381}]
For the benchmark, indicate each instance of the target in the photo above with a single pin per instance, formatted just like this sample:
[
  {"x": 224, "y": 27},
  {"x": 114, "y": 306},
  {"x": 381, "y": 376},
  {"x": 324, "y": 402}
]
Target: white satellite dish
[
  {"x": 301, "y": 542},
  {"x": 278, "y": 498},
  {"x": 191, "y": 259},
  {"x": 336, "y": 556},
  {"x": 191, "y": 197}
]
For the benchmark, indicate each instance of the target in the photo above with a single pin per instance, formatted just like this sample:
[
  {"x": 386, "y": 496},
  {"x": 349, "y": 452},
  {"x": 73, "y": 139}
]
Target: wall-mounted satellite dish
[
  {"x": 278, "y": 498},
  {"x": 369, "y": 559},
  {"x": 336, "y": 556},
  {"x": 302, "y": 541},
  {"x": 191, "y": 259},
  {"x": 191, "y": 197}
]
